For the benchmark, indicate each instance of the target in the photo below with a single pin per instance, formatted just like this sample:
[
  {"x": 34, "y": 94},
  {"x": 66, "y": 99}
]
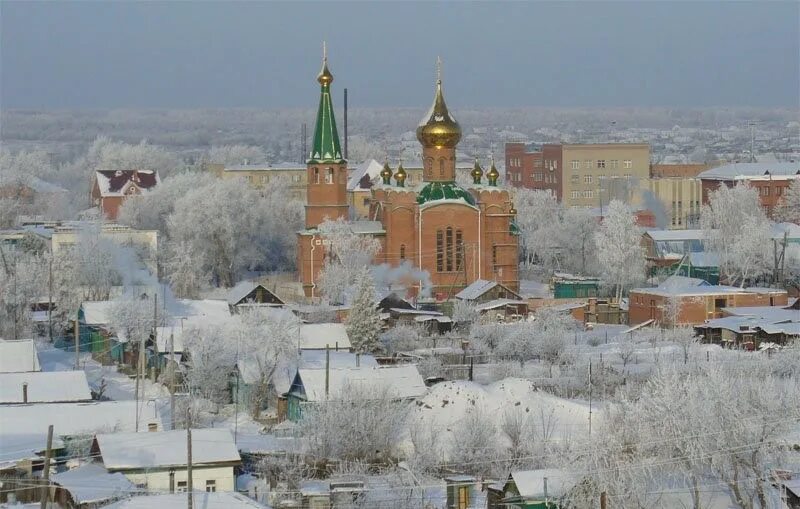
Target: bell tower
[{"x": 326, "y": 169}]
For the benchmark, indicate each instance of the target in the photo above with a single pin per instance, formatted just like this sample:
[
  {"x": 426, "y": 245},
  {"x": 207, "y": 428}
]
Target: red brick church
[{"x": 457, "y": 234}]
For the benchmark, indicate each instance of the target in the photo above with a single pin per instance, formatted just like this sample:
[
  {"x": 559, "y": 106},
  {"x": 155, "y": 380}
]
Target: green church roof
[
  {"x": 325, "y": 147},
  {"x": 435, "y": 191}
]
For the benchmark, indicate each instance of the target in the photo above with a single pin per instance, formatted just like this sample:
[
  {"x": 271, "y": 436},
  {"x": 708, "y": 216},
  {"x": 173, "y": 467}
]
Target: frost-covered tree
[
  {"x": 348, "y": 253},
  {"x": 266, "y": 339},
  {"x": 619, "y": 250},
  {"x": 576, "y": 234},
  {"x": 465, "y": 314},
  {"x": 788, "y": 208},
  {"x": 212, "y": 356},
  {"x": 358, "y": 422},
  {"x": 23, "y": 281},
  {"x": 538, "y": 218},
  {"x": 363, "y": 321},
  {"x": 106, "y": 154},
  {"x": 737, "y": 230},
  {"x": 473, "y": 447}
]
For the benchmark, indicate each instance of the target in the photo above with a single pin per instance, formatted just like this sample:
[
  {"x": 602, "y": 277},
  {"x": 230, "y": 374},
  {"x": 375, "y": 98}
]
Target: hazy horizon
[{"x": 181, "y": 55}]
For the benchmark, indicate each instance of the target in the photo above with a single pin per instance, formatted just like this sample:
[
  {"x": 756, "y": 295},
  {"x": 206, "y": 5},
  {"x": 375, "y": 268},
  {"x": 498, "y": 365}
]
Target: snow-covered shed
[
  {"x": 90, "y": 484},
  {"x": 316, "y": 385},
  {"x": 482, "y": 290},
  {"x": 250, "y": 293},
  {"x": 44, "y": 387},
  {"x": 536, "y": 489},
  {"x": 318, "y": 336},
  {"x": 158, "y": 460},
  {"x": 18, "y": 356}
]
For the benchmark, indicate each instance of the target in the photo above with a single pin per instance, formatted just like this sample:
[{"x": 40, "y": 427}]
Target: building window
[
  {"x": 402, "y": 251},
  {"x": 601, "y": 177},
  {"x": 601, "y": 163},
  {"x": 537, "y": 177},
  {"x": 778, "y": 191},
  {"x": 449, "y": 249},
  {"x": 588, "y": 164},
  {"x": 211, "y": 486},
  {"x": 264, "y": 179},
  {"x": 494, "y": 255},
  {"x": 575, "y": 194},
  {"x": 459, "y": 250},
  {"x": 329, "y": 176},
  {"x": 587, "y": 179},
  {"x": 316, "y": 175},
  {"x": 537, "y": 163},
  {"x": 764, "y": 191},
  {"x": 575, "y": 178},
  {"x": 182, "y": 486},
  {"x": 614, "y": 164},
  {"x": 439, "y": 250},
  {"x": 627, "y": 164},
  {"x": 588, "y": 194},
  {"x": 441, "y": 167},
  {"x": 463, "y": 497},
  {"x": 576, "y": 165},
  {"x": 296, "y": 178}
]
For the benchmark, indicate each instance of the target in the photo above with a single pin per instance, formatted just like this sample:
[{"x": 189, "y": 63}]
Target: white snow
[
  {"x": 530, "y": 483},
  {"x": 202, "y": 500},
  {"x": 401, "y": 381},
  {"x": 18, "y": 356},
  {"x": 44, "y": 387},
  {"x": 123, "y": 451},
  {"x": 93, "y": 483},
  {"x": 316, "y": 336}
]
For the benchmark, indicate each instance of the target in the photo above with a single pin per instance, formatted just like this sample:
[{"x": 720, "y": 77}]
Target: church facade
[{"x": 457, "y": 234}]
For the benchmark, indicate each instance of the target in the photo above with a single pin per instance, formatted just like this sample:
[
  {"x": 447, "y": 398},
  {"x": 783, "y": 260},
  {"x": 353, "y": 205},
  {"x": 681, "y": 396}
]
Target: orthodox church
[{"x": 457, "y": 234}]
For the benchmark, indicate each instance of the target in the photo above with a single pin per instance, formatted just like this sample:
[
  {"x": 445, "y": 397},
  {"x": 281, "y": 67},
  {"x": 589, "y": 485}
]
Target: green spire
[{"x": 326, "y": 147}]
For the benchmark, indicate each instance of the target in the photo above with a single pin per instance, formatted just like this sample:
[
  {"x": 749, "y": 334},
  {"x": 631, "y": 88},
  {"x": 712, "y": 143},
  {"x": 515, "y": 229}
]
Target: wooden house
[
  {"x": 482, "y": 291},
  {"x": 252, "y": 294},
  {"x": 533, "y": 489}
]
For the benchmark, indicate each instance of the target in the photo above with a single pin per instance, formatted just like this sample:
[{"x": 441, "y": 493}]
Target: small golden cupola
[
  {"x": 477, "y": 172},
  {"x": 438, "y": 128},
  {"x": 400, "y": 175},
  {"x": 493, "y": 174},
  {"x": 386, "y": 174}
]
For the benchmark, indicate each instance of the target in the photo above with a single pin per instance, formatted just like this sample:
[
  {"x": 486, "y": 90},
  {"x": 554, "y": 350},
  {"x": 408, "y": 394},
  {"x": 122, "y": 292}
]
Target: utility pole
[
  {"x": 172, "y": 379},
  {"x": 77, "y": 333},
  {"x": 603, "y": 500},
  {"x": 590, "y": 397},
  {"x": 189, "y": 483},
  {"x": 327, "y": 369},
  {"x": 50, "y": 302},
  {"x": 46, "y": 474}
]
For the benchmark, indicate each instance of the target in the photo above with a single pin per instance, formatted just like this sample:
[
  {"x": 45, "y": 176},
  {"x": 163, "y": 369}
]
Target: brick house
[
  {"x": 694, "y": 304},
  {"x": 771, "y": 180},
  {"x": 110, "y": 188}
]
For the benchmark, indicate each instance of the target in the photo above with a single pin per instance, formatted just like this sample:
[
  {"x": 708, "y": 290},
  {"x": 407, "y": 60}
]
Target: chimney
[
  {"x": 24, "y": 392},
  {"x": 358, "y": 360}
]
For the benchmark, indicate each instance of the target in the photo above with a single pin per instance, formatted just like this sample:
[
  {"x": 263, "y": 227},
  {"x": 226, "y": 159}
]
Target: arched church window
[
  {"x": 494, "y": 255},
  {"x": 329, "y": 176},
  {"x": 439, "y": 250},
  {"x": 459, "y": 250},
  {"x": 441, "y": 167},
  {"x": 402, "y": 251},
  {"x": 316, "y": 175},
  {"x": 449, "y": 249}
]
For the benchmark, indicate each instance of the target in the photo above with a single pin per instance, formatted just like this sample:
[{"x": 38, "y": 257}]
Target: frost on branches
[
  {"x": 619, "y": 248},
  {"x": 737, "y": 230},
  {"x": 364, "y": 321},
  {"x": 349, "y": 252}
]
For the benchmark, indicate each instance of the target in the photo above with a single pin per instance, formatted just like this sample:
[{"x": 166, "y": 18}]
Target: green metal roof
[
  {"x": 513, "y": 228},
  {"x": 435, "y": 191},
  {"x": 325, "y": 148}
]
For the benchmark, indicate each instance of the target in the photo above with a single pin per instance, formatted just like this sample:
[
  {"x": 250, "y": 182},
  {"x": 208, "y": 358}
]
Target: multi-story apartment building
[
  {"x": 580, "y": 175},
  {"x": 598, "y": 173},
  {"x": 681, "y": 198},
  {"x": 771, "y": 180}
]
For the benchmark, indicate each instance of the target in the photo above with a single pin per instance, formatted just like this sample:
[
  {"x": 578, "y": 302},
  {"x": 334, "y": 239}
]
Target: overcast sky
[{"x": 266, "y": 54}]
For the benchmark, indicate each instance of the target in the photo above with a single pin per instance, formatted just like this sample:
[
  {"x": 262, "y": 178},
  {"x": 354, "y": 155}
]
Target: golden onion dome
[
  {"x": 477, "y": 172},
  {"x": 438, "y": 128},
  {"x": 325, "y": 77},
  {"x": 386, "y": 173},
  {"x": 400, "y": 175},
  {"x": 512, "y": 210},
  {"x": 493, "y": 174}
]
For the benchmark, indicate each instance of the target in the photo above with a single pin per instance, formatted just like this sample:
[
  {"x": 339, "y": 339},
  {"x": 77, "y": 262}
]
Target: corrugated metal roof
[{"x": 401, "y": 381}]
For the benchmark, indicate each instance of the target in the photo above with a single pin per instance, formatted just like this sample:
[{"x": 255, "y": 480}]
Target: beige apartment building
[
  {"x": 681, "y": 197},
  {"x": 259, "y": 175},
  {"x": 594, "y": 174}
]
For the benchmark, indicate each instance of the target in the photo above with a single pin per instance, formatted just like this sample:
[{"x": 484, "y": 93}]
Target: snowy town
[{"x": 560, "y": 313}]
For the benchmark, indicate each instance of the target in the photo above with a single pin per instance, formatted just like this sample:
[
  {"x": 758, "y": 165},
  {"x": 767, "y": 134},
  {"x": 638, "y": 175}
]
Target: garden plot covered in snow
[{"x": 449, "y": 403}]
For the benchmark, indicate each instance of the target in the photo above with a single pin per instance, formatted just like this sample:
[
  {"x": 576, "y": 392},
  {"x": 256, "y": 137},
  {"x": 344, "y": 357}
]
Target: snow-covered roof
[
  {"x": 476, "y": 289},
  {"x": 72, "y": 418},
  {"x": 18, "y": 356},
  {"x": 316, "y": 336},
  {"x": 22, "y": 446},
  {"x": 772, "y": 313},
  {"x": 703, "y": 259},
  {"x": 45, "y": 387},
  {"x": 205, "y": 310},
  {"x": 675, "y": 235},
  {"x": 497, "y": 303},
  {"x": 691, "y": 290},
  {"x": 427, "y": 318},
  {"x": 202, "y": 500},
  {"x": 530, "y": 483},
  {"x": 369, "y": 167},
  {"x": 97, "y": 313},
  {"x": 682, "y": 281},
  {"x": 240, "y": 291},
  {"x": 162, "y": 449},
  {"x": 115, "y": 182},
  {"x": 792, "y": 231},
  {"x": 91, "y": 483},
  {"x": 404, "y": 311},
  {"x": 308, "y": 359},
  {"x": 752, "y": 171},
  {"x": 257, "y": 443},
  {"x": 401, "y": 381}
]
